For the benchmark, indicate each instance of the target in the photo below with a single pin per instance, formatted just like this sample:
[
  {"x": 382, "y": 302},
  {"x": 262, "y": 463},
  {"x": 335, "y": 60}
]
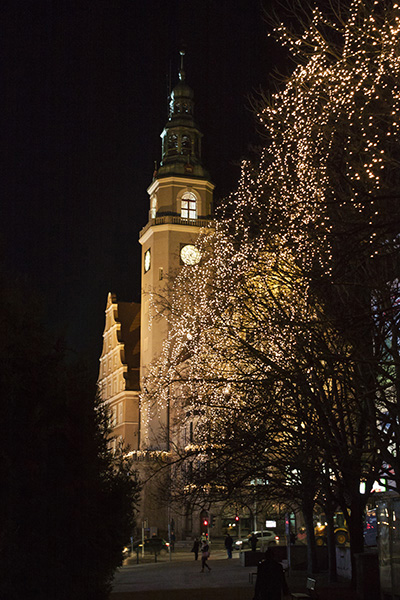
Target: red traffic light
[
  {"x": 237, "y": 518},
  {"x": 205, "y": 522}
]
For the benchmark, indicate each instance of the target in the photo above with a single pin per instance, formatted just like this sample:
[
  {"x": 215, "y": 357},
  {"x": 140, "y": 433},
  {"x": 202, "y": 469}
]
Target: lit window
[
  {"x": 188, "y": 206},
  {"x": 147, "y": 260},
  {"x": 153, "y": 209}
]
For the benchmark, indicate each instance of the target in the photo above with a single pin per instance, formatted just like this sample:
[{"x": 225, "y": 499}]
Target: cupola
[{"x": 181, "y": 138}]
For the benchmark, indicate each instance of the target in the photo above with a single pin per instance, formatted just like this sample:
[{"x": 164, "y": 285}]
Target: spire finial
[{"x": 181, "y": 71}]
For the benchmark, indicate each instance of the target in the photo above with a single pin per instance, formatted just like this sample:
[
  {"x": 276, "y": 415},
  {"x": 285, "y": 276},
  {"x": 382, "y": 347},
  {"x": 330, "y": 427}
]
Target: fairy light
[{"x": 330, "y": 167}]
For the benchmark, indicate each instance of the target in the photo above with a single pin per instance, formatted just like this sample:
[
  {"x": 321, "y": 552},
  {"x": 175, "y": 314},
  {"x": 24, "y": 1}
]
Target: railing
[
  {"x": 174, "y": 220},
  {"x": 149, "y": 455}
]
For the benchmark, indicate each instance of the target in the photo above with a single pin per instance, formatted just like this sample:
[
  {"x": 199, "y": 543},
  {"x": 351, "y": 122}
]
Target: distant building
[{"x": 119, "y": 381}]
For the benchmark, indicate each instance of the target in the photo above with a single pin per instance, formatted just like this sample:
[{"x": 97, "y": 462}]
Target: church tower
[{"x": 180, "y": 205}]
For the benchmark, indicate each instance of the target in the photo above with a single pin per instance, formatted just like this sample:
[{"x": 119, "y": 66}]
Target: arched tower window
[
  {"x": 188, "y": 206},
  {"x": 186, "y": 144},
  {"x": 153, "y": 207},
  {"x": 172, "y": 144}
]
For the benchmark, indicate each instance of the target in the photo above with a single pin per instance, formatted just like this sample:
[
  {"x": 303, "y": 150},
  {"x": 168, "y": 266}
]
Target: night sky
[{"x": 85, "y": 86}]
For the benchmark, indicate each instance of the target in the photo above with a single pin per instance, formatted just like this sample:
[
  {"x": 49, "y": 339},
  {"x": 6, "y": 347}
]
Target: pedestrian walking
[
  {"x": 253, "y": 542},
  {"x": 195, "y": 548},
  {"x": 271, "y": 580},
  {"x": 229, "y": 545},
  {"x": 205, "y": 554}
]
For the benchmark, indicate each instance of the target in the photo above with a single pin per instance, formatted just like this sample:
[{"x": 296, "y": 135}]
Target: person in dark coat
[
  {"x": 229, "y": 545},
  {"x": 195, "y": 549},
  {"x": 205, "y": 553},
  {"x": 270, "y": 579}
]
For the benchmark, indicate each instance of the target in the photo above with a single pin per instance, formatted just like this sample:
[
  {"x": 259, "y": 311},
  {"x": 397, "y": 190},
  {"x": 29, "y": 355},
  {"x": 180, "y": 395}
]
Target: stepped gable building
[{"x": 119, "y": 369}]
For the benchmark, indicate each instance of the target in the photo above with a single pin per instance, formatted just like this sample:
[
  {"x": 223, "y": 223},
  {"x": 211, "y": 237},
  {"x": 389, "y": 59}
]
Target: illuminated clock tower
[{"x": 180, "y": 205}]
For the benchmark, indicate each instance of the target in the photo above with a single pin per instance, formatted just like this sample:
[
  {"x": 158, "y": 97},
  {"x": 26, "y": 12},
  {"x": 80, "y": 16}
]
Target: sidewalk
[
  {"x": 340, "y": 590},
  {"x": 181, "y": 579}
]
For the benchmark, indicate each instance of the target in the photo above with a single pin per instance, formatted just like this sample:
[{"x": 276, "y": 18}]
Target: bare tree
[{"x": 285, "y": 336}]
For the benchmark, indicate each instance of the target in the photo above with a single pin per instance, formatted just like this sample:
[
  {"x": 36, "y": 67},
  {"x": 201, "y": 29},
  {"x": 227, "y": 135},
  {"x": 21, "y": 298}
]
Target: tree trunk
[
  {"x": 312, "y": 564},
  {"x": 332, "y": 567},
  {"x": 355, "y": 524}
]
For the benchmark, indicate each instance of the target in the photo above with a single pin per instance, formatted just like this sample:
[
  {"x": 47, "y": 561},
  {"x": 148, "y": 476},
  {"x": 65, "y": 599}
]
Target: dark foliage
[{"x": 66, "y": 505}]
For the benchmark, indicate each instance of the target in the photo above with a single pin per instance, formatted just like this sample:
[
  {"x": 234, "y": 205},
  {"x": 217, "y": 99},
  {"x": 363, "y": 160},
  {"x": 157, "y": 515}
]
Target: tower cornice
[
  {"x": 171, "y": 223},
  {"x": 179, "y": 181}
]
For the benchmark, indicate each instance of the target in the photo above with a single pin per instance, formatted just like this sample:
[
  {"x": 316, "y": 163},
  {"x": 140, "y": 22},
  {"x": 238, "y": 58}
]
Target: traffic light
[
  {"x": 212, "y": 520},
  {"x": 205, "y": 522},
  {"x": 237, "y": 518},
  {"x": 287, "y": 524}
]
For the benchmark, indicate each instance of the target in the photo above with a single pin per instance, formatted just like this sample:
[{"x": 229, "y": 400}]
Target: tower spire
[
  {"x": 181, "y": 70},
  {"x": 181, "y": 137}
]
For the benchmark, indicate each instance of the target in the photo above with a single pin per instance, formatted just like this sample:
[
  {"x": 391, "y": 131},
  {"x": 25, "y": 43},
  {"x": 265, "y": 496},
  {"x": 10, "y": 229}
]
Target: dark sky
[{"x": 84, "y": 102}]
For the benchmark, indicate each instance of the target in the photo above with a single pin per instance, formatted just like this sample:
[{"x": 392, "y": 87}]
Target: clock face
[
  {"x": 190, "y": 255},
  {"x": 147, "y": 260}
]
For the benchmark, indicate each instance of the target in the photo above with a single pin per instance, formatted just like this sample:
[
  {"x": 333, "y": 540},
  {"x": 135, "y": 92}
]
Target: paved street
[
  {"x": 181, "y": 575},
  {"x": 181, "y": 579}
]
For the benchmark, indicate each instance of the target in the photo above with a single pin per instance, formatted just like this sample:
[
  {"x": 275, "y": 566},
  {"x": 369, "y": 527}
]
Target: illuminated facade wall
[
  {"x": 163, "y": 241},
  {"x": 119, "y": 369}
]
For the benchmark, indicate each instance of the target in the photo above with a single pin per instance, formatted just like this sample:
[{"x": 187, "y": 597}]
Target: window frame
[{"x": 189, "y": 206}]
